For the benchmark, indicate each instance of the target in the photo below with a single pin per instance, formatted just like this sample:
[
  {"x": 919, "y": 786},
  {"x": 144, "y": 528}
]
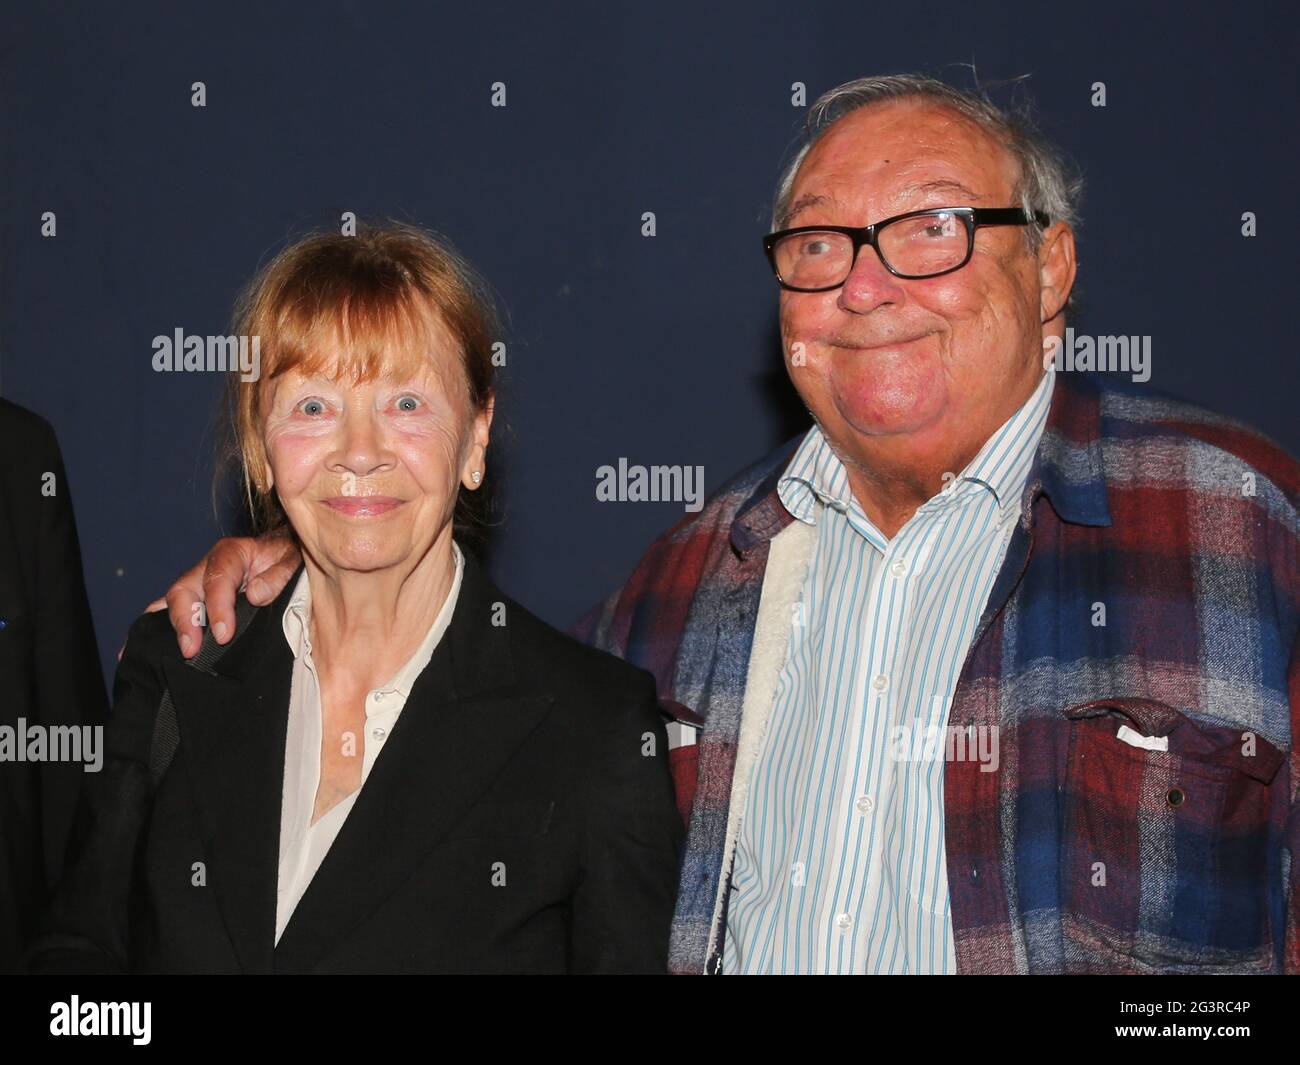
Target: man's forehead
[
  {"x": 904, "y": 129},
  {"x": 899, "y": 152},
  {"x": 951, "y": 187}
]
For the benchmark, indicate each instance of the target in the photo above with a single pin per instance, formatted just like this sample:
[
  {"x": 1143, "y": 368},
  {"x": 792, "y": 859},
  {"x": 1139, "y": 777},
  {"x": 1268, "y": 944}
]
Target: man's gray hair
[{"x": 1046, "y": 182}]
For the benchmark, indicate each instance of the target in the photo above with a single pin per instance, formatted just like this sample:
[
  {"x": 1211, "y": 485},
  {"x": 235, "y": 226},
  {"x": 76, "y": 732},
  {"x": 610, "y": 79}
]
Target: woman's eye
[
  {"x": 408, "y": 403},
  {"x": 312, "y": 407}
]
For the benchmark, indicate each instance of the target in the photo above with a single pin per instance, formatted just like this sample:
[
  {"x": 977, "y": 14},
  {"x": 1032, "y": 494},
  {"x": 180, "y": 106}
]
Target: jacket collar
[
  {"x": 1067, "y": 469},
  {"x": 468, "y": 713}
]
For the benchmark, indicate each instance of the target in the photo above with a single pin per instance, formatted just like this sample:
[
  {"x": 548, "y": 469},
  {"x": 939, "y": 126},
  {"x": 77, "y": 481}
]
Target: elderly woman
[{"x": 393, "y": 767}]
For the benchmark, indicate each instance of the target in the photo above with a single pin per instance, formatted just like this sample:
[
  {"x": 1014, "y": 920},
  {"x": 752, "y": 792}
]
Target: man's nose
[{"x": 869, "y": 285}]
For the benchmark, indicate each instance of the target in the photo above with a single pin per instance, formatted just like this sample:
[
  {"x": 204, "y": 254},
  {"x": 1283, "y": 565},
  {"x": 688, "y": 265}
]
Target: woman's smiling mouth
[{"x": 363, "y": 506}]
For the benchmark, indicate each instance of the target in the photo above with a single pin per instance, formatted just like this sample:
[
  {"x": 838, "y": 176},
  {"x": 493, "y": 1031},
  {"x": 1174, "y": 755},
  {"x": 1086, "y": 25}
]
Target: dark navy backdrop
[{"x": 663, "y": 349}]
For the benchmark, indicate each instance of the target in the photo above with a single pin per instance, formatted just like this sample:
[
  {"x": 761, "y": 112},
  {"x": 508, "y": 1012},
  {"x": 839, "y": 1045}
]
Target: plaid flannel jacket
[{"x": 1151, "y": 582}]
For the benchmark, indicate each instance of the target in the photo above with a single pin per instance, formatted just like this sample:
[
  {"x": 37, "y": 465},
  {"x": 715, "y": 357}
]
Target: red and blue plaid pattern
[{"x": 1151, "y": 582}]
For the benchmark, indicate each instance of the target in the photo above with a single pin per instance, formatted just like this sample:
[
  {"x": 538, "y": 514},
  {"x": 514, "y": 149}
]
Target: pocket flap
[{"x": 1234, "y": 748}]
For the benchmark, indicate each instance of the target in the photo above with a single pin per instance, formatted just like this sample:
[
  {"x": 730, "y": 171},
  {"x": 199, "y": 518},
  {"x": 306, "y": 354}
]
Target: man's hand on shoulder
[{"x": 261, "y": 567}]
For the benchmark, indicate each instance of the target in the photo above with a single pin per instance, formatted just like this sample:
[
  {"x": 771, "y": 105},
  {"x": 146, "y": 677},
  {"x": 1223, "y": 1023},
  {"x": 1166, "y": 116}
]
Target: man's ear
[{"x": 1056, "y": 270}]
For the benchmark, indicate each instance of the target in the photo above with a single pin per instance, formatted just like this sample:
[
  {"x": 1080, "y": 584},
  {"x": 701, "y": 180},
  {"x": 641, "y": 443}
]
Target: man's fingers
[
  {"x": 206, "y": 594},
  {"x": 226, "y": 571},
  {"x": 180, "y": 600},
  {"x": 281, "y": 557},
  {"x": 263, "y": 588}
]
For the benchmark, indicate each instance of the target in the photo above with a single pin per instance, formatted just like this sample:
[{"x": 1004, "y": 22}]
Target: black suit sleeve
[
  {"x": 623, "y": 908},
  {"x": 50, "y": 675},
  {"x": 70, "y": 686},
  {"x": 87, "y": 928}
]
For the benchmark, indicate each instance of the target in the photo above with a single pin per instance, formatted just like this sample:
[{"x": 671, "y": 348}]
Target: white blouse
[{"x": 303, "y": 846}]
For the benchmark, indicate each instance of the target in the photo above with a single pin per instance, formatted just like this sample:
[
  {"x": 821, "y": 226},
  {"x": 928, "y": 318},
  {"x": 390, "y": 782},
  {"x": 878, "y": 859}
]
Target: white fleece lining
[{"x": 789, "y": 553}]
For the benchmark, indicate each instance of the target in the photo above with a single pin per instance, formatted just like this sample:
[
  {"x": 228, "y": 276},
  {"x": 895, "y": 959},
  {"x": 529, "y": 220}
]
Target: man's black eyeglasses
[{"x": 914, "y": 245}]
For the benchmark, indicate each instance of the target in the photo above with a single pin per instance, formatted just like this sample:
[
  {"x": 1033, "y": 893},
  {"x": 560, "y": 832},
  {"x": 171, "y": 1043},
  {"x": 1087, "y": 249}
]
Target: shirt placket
[
  {"x": 382, "y": 708},
  {"x": 868, "y": 806}
]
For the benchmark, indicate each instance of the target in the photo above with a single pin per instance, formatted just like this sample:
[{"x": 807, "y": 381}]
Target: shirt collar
[
  {"x": 1000, "y": 467},
  {"x": 815, "y": 473},
  {"x": 297, "y": 629}
]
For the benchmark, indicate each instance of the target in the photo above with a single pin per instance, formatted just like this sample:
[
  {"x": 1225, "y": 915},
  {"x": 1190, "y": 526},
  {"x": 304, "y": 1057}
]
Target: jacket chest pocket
[{"x": 1167, "y": 842}]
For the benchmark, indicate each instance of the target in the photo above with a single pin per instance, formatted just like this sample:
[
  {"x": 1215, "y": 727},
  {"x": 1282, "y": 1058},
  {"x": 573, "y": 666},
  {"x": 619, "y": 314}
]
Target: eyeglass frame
[{"x": 973, "y": 217}]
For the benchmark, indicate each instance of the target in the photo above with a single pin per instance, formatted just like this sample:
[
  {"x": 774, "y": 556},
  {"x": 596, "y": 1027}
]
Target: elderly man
[{"x": 994, "y": 669}]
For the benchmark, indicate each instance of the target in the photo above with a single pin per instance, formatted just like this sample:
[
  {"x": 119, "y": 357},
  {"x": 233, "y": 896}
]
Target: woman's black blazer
[{"x": 520, "y": 817}]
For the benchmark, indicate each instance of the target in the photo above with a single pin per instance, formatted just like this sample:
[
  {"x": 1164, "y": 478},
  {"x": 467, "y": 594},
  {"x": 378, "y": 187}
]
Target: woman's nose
[{"x": 362, "y": 450}]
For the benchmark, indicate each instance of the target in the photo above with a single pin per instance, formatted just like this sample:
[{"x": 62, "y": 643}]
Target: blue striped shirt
[{"x": 839, "y": 864}]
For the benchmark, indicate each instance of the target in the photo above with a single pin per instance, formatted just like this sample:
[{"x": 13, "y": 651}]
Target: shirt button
[
  {"x": 844, "y": 922},
  {"x": 379, "y": 733},
  {"x": 378, "y": 696},
  {"x": 880, "y": 683},
  {"x": 898, "y": 568},
  {"x": 864, "y": 804}
]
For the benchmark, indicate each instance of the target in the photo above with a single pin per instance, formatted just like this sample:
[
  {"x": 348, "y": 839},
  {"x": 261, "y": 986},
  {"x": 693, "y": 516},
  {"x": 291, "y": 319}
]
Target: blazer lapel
[{"x": 463, "y": 721}]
